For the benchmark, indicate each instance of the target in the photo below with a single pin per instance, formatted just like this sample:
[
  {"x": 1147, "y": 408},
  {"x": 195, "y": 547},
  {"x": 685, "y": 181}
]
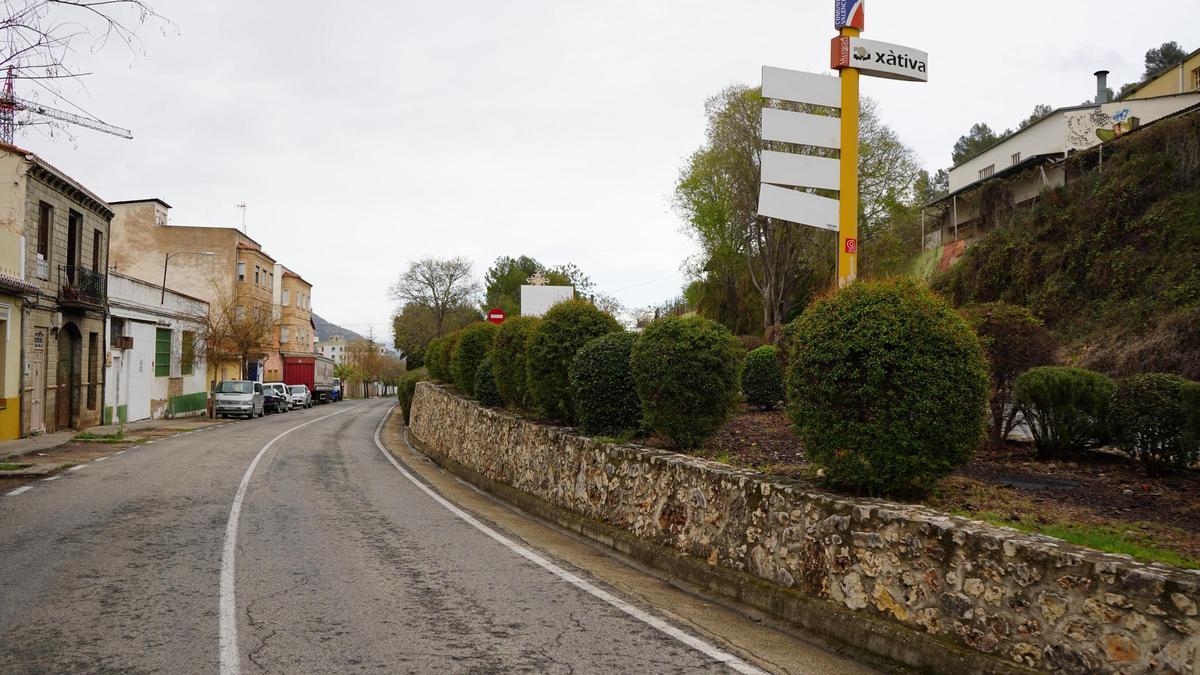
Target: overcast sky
[{"x": 365, "y": 134}]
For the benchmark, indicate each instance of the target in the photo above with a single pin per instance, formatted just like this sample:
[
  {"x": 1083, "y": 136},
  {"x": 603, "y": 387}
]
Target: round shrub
[
  {"x": 552, "y": 344},
  {"x": 1149, "y": 420},
  {"x": 1014, "y": 340},
  {"x": 485, "y": 383},
  {"x": 687, "y": 371},
  {"x": 508, "y": 359},
  {"x": 1065, "y": 408},
  {"x": 1191, "y": 407},
  {"x": 887, "y": 386},
  {"x": 602, "y": 392},
  {"x": 762, "y": 378},
  {"x": 435, "y": 359},
  {"x": 474, "y": 343}
]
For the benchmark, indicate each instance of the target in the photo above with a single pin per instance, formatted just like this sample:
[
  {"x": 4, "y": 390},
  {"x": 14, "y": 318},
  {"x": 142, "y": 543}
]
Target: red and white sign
[
  {"x": 851, "y": 245},
  {"x": 496, "y": 315}
]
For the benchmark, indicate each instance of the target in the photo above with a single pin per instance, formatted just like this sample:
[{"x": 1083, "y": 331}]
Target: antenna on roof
[{"x": 242, "y": 206}]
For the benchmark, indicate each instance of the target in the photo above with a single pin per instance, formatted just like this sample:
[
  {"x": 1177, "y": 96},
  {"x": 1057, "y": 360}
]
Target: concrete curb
[{"x": 833, "y": 623}]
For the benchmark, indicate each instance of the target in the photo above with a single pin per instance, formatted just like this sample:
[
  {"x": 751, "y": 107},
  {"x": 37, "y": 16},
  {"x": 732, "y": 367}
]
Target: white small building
[
  {"x": 334, "y": 348},
  {"x": 1033, "y": 158},
  {"x": 155, "y": 366}
]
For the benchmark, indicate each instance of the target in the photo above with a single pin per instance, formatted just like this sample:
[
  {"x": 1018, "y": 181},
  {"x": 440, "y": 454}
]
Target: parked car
[
  {"x": 281, "y": 390},
  {"x": 301, "y": 396},
  {"x": 275, "y": 399},
  {"x": 238, "y": 397}
]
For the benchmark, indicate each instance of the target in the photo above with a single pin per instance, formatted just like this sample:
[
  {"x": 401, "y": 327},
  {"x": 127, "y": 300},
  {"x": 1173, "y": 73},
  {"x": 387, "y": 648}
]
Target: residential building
[
  {"x": 1177, "y": 79},
  {"x": 54, "y": 243},
  {"x": 14, "y": 291},
  {"x": 1032, "y": 159},
  {"x": 153, "y": 336},
  {"x": 295, "y": 332},
  {"x": 335, "y": 348},
  {"x": 219, "y": 265}
]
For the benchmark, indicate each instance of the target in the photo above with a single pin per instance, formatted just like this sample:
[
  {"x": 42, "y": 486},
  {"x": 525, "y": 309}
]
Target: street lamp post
[{"x": 166, "y": 260}]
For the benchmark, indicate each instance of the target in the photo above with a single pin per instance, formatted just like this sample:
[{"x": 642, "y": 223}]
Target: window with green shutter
[
  {"x": 162, "y": 352},
  {"x": 187, "y": 354}
]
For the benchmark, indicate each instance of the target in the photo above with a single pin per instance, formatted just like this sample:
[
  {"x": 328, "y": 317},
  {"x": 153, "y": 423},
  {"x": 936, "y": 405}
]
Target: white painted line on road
[
  {"x": 47, "y": 480},
  {"x": 99, "y": 459},
  {"x": 119, "y": 452},
  {"x": 14, "y": 493},
  {"x": 658, "y": 624},
  {"x": 76, "y": 468},
  {"x": 231, "y": 660}
]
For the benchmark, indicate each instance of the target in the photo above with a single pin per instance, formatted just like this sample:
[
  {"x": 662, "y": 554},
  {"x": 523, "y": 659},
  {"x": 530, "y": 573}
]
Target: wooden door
[{"x": 37, "y": 368}]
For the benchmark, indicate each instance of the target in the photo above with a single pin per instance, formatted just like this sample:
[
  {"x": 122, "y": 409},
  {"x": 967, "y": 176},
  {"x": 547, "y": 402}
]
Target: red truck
[{"x": 312, "y": 370}]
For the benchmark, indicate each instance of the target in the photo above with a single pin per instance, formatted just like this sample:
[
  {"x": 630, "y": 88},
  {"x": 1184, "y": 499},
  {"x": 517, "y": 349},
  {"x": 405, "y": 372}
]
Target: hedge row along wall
[{"x": 913, "y": 584}]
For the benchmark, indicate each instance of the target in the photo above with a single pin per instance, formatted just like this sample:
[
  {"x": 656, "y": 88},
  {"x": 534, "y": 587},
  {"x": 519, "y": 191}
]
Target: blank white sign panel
[
  {"x": 801, "y": 128},
  {"x": 801, "y": 87},
  {"x": 785, "y": 168},
  {"x": 798, "y": 207}
]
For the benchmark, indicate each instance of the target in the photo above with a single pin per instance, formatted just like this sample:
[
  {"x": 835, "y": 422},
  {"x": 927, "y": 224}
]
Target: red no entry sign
[{"x": 496, "y": 315}]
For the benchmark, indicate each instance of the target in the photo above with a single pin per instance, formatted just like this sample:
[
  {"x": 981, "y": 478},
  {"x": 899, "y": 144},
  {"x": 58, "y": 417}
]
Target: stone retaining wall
[{"x": 918, "y": 581}]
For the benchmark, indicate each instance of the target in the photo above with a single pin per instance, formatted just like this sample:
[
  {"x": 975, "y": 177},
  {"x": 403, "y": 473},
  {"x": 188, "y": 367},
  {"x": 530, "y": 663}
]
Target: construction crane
[{"x": 10, "y": 104}]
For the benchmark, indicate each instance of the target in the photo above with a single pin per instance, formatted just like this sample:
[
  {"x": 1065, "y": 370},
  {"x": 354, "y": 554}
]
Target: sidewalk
[{"x": 46, "y": 442}]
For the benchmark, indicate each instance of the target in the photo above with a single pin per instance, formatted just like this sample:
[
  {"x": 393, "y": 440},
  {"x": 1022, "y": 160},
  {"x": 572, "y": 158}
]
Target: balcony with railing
[{"x": 81, "y": 287}]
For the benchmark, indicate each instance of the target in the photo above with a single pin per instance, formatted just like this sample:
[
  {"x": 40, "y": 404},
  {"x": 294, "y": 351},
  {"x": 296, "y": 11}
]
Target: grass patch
[
  {"x": 99, "y": 438},
  {"x": 1133, "y": 540},
  {"x": 5, "y": 466}
]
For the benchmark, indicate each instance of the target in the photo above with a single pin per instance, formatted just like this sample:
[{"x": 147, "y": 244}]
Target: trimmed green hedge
[
  {"x": 407, "y": 388},
  {"x": 485, "y": 383},
  {"x": 552, "y": 344},
  {"x": 1066, "y": 408},
  {"x": 474, "y": 343},
  {"x": 887, "y": 386},
  {"x": 1149, "y": 420},
  {"x": 606, "y": 402},
  {"x": 687, "y": 372},
  {"x": 762, "y": 378},
  {"x": 508, "y": 360}
]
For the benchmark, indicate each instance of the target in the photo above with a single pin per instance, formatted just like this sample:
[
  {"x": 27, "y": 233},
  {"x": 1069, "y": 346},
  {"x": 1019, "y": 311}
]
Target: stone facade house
[
  {"x": 62, "y": 231},
  {"x": 219, "y": 265}
]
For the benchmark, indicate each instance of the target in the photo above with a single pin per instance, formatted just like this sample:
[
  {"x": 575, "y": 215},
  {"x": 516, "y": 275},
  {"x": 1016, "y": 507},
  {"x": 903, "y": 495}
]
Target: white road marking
[
  {"x": 119, "y": 452},
  {"x": 231, "y": 660},
  {"x": 47, "y": 480},
  {"x": 14, "y": 493},
  {"x": 658, "y": 624},
  {"x": 76, "y": 468},
  {"x": 99, "y": 459}
]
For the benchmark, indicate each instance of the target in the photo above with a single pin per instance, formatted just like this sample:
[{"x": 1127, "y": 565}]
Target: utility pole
[{"x": 847, "y": 268}]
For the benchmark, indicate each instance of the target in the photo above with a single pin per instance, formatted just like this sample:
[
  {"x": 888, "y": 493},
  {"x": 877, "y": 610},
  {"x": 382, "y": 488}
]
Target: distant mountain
[{"x": 326, "y": 330}]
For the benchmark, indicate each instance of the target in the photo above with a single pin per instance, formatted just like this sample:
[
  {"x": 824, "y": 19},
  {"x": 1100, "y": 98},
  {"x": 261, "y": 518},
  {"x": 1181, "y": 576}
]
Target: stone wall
[{"x": 918, "y": 581}]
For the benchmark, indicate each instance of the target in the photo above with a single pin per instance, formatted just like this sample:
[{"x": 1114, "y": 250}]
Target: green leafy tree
[
  {"x": 979, "y": 138},
  {"x": 505, "y": 277},
  {"x": 415, "y": 325},
  {"x": 1164, "y": 56}
]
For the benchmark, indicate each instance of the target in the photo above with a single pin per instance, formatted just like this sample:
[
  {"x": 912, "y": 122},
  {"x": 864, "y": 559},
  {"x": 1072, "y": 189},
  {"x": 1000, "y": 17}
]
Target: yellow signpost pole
[{"x": 847, "y": 268}]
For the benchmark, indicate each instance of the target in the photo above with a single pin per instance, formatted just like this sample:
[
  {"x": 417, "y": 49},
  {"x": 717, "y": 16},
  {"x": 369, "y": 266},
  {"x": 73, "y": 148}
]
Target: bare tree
[
  {"x": 39, "y": 38},
  {"x": 440, "y": 285},
  {"x": 235, "y": 329}
]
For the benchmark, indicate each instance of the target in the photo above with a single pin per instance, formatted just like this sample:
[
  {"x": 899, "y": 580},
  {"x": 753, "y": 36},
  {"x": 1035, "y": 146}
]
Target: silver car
[
  {"x": 242, "y": 398},
  {"x": 301, "y": 396}
]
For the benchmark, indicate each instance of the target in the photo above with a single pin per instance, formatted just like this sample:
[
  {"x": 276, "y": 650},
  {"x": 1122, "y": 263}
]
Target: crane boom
[{"x": 63, "y": 116}]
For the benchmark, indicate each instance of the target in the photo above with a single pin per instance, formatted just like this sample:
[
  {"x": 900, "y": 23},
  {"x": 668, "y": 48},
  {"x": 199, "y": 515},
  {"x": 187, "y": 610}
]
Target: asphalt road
[{"x": 337, "y": 562}]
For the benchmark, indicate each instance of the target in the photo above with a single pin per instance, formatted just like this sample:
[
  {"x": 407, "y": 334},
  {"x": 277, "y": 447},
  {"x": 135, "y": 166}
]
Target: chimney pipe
[{"x": 1101, "y": 87}]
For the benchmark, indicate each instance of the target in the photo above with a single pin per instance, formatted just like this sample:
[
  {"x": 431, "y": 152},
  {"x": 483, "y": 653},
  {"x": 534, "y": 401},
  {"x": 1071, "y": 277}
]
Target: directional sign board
[
  {"x": 785, "y": 168},
  {"x": 801, "y": 87},
  {"x": 801, "y": 128},
  {"x": 796, "y": 206},
  {"x": 879, "y": 59}
]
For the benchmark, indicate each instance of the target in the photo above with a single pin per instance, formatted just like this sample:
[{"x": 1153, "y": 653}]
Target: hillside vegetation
[{"x": 1110, "y": 261}]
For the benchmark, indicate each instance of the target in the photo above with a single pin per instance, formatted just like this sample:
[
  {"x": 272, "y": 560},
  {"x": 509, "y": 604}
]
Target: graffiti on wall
[{"x": 1088, "y": 128}]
